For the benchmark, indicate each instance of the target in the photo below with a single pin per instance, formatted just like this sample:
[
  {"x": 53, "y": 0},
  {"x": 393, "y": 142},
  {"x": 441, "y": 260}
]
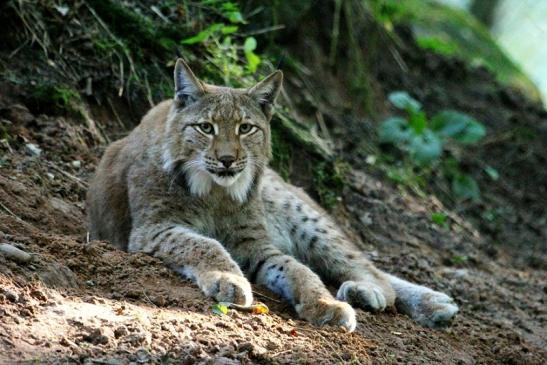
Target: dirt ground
[
  {"x": 81, "y": 302},
  {"x": 86, "y": 302}
]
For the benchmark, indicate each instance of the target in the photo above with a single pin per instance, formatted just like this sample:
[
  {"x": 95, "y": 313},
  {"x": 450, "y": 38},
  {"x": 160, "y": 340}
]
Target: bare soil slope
[{"x": 86, "y": 302}]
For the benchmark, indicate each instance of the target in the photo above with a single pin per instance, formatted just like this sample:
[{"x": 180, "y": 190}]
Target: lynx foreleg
[{"x": 197, "y": 257}]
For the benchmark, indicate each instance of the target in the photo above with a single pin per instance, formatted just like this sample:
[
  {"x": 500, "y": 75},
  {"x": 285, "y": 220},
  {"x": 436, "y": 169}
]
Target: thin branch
[
  {"x": 79, "y": 181},
  {"x": 265, "y": 296},
  {"x": 11, "y": 213}
]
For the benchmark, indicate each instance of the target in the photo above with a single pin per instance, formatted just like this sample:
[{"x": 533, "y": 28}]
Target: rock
[
  {"x": 19, "y": 114},
  {"x": 255, "y": 350},
  {"x": 57, "y": 275},
  {"x": 10, "y": 295},
  {"x": 33, "y": 149},
  {"x": 225, "y": 361},
  {"x": 15, "y": 254},
  {"x": 366, "y": 219},
  {"x": 120, "y": 332},
  {"x": 67, "y": 209},
  {"x": 66, "y": 342},
  {"x": 96, "y": 337},
  {"x": 455, "y": 273}
]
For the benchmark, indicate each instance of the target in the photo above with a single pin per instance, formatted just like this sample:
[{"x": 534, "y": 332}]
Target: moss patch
[{"x": 329, "y": 179}]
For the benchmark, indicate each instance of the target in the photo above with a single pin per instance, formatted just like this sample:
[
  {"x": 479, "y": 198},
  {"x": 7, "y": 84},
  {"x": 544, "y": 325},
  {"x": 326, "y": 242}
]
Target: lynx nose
[{"x": 227, "y": 161}]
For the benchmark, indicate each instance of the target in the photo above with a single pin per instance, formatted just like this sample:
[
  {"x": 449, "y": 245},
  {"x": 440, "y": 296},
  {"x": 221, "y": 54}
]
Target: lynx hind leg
[
  {"x": 426, "y": 306},
  {"x": 319, "y": 243}
]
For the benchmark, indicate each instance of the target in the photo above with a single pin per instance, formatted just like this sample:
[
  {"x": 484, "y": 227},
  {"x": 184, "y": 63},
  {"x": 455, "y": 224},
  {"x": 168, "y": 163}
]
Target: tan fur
[{"x": 191, "y": 186}]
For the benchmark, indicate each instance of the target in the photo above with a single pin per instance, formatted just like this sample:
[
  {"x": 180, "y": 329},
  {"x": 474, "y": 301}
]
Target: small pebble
[{"x": 33, "y": 149}]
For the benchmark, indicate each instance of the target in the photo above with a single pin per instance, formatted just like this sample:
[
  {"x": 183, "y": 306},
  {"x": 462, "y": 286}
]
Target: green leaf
[
  {"x": 394, "y": 130},
  {"x": 249, "y": 45},
  {"x": 229, "y": 29},
  {"x": 474, "y": 132},
  {"x": 437, "y": 45},
  {"x": 235, "y": 17},
  {"x": 439, "y": 219},
  {"x": 402, "y": 100},
  {"x": 204, "y": 34},
  {"x": 459, "y": 126},
  {"x": 459, "y": 259},
  {"x": 253, "y": 60},
  {"x": 449, "y": 123},
  {"x": 418, "y": 122},
  {"x": 397, "y": 176},
  {"x": 465, "y": 187},
  {"x": 198, "y": 38},
  {"x": 220, "y": 308},
  {"x": 492, "y": 173},
  {"x": 425, "y": 148}
]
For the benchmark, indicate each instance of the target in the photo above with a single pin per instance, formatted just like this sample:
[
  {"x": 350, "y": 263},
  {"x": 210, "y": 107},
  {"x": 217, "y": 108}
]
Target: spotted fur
[{"x": 190, "y": 185}]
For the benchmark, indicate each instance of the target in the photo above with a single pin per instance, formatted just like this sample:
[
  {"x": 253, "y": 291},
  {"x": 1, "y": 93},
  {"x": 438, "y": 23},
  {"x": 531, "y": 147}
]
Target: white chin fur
[
  {"x": 201, "y": 182},
  {"x": 225, "y": 181}
]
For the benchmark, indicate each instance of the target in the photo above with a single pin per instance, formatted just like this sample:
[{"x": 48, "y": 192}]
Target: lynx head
[{"x": 219, "y": 135}]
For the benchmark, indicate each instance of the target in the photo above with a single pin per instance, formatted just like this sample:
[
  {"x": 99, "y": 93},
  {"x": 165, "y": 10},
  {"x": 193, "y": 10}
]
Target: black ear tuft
[{"x": 187, "y": 86}]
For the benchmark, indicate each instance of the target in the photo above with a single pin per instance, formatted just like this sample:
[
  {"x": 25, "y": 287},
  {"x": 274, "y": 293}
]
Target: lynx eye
[
  {"x": 245, "y": 128},
  {"x": 206, "y": 128}
]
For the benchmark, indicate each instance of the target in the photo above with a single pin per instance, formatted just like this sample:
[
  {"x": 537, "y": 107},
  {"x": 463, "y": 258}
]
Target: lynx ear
[
  {"x": 266, "y": 91},
  {"x": 187, "y": 86}
]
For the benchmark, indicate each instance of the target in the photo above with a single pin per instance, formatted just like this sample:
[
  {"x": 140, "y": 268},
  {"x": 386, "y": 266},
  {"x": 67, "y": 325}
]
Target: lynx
[{"x": 191, "y": 186}]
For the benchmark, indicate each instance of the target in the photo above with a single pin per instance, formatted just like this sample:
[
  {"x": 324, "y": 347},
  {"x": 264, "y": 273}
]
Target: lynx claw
[
  {"x": 227, "y": 287},
  {"x": 329, "y": 312}
]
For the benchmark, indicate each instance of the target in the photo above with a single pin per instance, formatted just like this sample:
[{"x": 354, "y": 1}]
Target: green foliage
[
  {"x": 232, "y": 54},
  {"x": 422, "y": 140},
  {"x": 492, "y": 173},
  {"x": 465, "y": 187},
  {"x": 437, "y": 45},
  {"x": 458, "y": 126},
  {"x": 220, "y": 308},
  {"x": 453, "y": 32},
  {"x": 459, "y": 259},
  {"x": 439, "y": 219},
  {"x": 329, "y": 179},
  {"x": 57, "y": 98}
]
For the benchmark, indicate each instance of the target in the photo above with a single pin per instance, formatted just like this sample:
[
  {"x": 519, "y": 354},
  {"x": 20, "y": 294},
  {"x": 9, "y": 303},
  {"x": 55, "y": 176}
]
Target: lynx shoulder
[{"x": 191, "y": 186}]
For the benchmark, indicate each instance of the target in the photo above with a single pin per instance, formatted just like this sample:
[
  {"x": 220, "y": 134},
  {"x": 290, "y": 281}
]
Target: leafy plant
[
  {"x": 227, "y": 49},
  {"x": 423, "y": 139},
  {"x": 437, "y": 45},
  {"x": 439, "y": 219},
  {"x": 459, "y": 259}
]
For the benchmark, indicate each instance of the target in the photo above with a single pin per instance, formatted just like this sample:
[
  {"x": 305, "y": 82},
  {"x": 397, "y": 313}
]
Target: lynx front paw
[
  {"x": 363, "y": 295},
  {"x": 328, "y": 311},
  {"x": 227, "y": 287}
]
